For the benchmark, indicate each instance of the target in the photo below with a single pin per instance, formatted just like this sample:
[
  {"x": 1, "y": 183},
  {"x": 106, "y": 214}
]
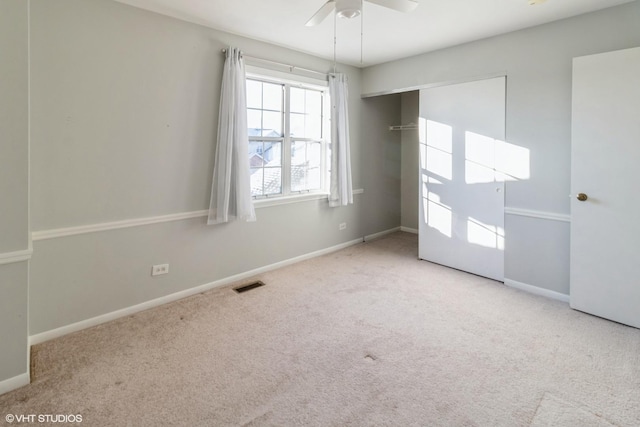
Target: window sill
[{"x": 274, "y": 201}]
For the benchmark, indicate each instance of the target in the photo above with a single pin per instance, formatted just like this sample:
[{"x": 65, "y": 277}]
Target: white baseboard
[
  {"x": 94, "y": 321},
  {"x": 409, "y": 230},
  {"x": 537, "y": 290},
  {"x": 14, "y": 383},
  {"x": 380, "y": 234}
]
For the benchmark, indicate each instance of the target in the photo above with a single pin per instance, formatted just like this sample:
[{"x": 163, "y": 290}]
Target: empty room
[{"x": 324, "y": 213}]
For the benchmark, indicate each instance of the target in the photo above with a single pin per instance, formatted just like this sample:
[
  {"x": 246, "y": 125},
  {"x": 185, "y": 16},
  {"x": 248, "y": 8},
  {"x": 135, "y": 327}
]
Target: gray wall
[
  {"x": 410, "y": 161},
  {"x": 381, "y": 163},
  {"x": 14, "y": 181},
  {"x": 537, "y": 62},
  {"x": 124, "y": 115},
  {"x": 14, "y": 125}
]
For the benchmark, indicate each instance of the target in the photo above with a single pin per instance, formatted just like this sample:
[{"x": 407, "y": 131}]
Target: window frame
[{"x": 287, "y": 140}]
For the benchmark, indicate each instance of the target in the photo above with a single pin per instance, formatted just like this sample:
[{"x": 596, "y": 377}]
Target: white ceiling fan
[{"x": 352, "y": 8}]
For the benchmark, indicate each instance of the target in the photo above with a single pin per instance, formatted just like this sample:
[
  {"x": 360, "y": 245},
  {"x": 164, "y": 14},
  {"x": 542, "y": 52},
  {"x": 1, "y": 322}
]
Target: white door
[
  {"x": 605, "y": 159},
  {"x": 461, "y": 222}
]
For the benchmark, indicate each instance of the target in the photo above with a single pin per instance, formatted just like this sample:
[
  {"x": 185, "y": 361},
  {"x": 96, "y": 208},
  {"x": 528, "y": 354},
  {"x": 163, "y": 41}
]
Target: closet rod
[
  {"x": 281, "y": 64},
  {"x": 410, "y": 126}
]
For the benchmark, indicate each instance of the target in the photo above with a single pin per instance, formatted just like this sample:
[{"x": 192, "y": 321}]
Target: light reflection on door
[{"x": 464, "y": 162}]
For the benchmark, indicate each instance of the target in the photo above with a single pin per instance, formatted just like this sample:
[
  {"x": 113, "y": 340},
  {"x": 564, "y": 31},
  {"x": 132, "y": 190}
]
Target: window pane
[
  {"x": 256, "y": 181},
  {"x": 265, "y": 158},
  {"x": 266, "y": 181},
  {"x": 296, "y": 125},
  {"x": 305, "y": 126},
  {"x": 297, "y": 100},
  {"x": 254, "y": 94},
  {"x": 272, "y": 180},
  {"x": 254, "y": 122},
  {"x": 314, "y": 154},
  {"x": 298, "y": 153},
  {"x": 314, "y": 103},
  {"x": 306, "y": 159},
  {"x": 255, "y": 154},
  {"x": 313, "y": 127},
  {"x": 313, "y": 178},
  {"x": 272, "y": 153},
  {"x": 272, "y": 96},
  {"x": 271, "y": 123},
  {"x": 298, "y": 178}
]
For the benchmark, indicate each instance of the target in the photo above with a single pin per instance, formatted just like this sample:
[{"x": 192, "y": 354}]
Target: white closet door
[
  {"x": 605, "y": 151},
  {"x": 462, "y": 130}
]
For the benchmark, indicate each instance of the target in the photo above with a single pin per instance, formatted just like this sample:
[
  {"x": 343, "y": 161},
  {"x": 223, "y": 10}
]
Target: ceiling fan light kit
[
  {"x": 353, "y": 8},
  {"x": 348, "y": 8}
]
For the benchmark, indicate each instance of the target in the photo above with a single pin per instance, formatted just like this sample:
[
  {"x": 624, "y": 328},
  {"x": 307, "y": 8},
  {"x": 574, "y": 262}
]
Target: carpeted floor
[{"x": 367, "y": 336}]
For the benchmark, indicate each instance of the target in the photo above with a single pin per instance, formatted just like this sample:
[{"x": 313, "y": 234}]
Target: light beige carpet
[{"x": 368, "y": 336}]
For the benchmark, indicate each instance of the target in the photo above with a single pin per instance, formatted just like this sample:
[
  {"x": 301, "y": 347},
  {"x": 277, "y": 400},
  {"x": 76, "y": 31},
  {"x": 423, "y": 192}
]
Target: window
[{"x": 287, "y": 126}]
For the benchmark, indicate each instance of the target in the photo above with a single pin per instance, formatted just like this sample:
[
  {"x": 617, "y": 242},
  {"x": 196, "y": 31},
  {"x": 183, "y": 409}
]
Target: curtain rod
[{"x": 281, "y": 64}]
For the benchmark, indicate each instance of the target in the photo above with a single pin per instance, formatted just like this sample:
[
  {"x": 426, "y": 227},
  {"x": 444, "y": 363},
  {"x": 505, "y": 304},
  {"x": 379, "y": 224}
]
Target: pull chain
[
  {"x": 335, "y": 40},
  {"x": 361, "y": 29}
]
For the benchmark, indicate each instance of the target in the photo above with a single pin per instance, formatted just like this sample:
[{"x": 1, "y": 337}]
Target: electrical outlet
[
  {"x": 159, "y": 269},
  {"x": 342, "y": 226}
]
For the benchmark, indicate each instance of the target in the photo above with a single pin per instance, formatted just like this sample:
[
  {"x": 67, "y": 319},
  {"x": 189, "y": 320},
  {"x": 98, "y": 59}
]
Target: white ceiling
[{"x": 388, "y": 35}]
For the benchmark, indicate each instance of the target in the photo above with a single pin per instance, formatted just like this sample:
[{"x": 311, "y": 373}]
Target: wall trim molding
[
  {"x": 409, "y": 230},
  {"x": 138, "y": 222},
  {"x": 538, "y": 214},
  {"x": 536, "y": 290},
  {"x": 17, "y": 256},
  {"x": 14, "y": 383},
  {"x": 94, "y": 321},
  {"x": 115, "y": 225}
]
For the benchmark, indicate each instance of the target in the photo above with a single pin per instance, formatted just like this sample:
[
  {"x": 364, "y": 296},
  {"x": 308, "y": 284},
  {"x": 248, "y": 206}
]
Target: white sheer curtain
[
  {"x": 231, "y": 190},
  {"x": 341, "y": 192}
]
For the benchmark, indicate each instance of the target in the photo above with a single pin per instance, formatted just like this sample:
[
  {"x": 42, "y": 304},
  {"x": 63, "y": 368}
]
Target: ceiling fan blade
[
  {"x": 399, "y": 5},
  {"x": 322, "y": 13}
]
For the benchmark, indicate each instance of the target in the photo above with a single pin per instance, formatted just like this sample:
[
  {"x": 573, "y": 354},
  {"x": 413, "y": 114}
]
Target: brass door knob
[{"x": 582, "y": 197}]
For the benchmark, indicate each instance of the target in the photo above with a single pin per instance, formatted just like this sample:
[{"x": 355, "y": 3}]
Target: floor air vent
[{"x": 245, "y": 288}]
